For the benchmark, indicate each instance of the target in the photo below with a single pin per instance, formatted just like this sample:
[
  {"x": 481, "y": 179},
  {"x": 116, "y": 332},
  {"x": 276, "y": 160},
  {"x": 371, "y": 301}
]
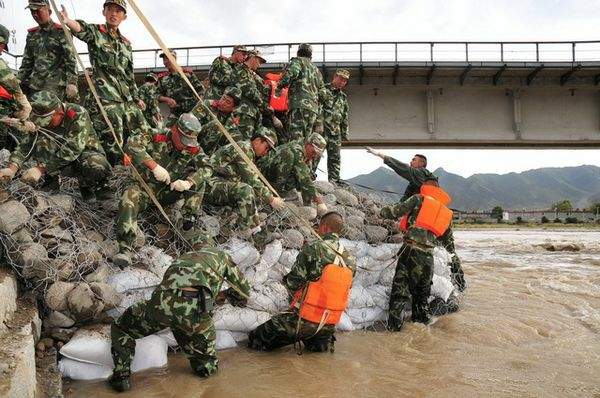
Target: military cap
[
  {"x": 233, "y": 92},
  {"x": 317, "y": 141},
  {"x": 120, "y": 3},
  {"x": 151, "y": 76},
  {"x": 37, "y": 4},
  {"x": 43, "y": 106},
  {"x": 343, "y": 73},
  {"x": 305, "y": 47},
  {"x": 268, "y": 135},
  {"x": 4, "y": 36},
  {"x": 239, "y": 47},
  {"x": 257, "y": 54},
  {"x": 189, "y": 127},
  {"x": 163, "y": 55}
]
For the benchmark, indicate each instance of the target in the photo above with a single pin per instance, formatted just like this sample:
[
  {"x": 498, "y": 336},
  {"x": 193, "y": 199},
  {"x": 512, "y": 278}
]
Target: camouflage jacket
[
  {"x": 411, "y": 206},
  {"x": 211, "y": 138},
  {"x": 188, "y": 163},
  {"x": 48, "y": 61},
  {"x": 173, "y": 86},
  {"x": 149, "y": 94},
  {"x": 335, "y": 113},
  {"x": 209, "y": 268},
  {"x": 220, "y": 77},
  {"x": 112, "y": 59},
  {"x": 306, "y": 84},
  {"x": 10, "y": 83},
  {"x": 228, "y": 164},
  {"x": 77, "y": 132},
  {"x": 311, "y": 260},
  {"x": 254, "y": 93},
  {"x": 414, "y": 176}
]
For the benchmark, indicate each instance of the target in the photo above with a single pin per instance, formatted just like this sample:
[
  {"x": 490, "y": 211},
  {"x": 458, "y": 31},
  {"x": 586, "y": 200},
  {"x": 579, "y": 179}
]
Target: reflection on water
[{"x": 529, "y": 327}]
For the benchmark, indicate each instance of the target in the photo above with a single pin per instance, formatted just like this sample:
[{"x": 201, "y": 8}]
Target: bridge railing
[{"x": 394, "y": 52}]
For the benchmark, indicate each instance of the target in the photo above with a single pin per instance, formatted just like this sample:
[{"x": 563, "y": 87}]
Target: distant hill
[{"x": 532, "y": 189}]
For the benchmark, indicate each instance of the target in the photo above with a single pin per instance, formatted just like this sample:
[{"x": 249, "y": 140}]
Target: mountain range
[{"x": 533, "y": 189}]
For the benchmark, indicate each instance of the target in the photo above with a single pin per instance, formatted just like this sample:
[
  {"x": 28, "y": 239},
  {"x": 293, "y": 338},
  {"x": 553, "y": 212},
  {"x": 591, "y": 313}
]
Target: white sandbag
[
  {"x": 387, "y": 275},
  {"x": 132, "y": 278},
  {"x": 259, "y": 275},
  {"x": 225, "y": 340},
  {"x": 168, "y": 336},
  {"x": 271, "y": 297},
  {"x": 441, "y": 287},
  {"x": 384, "y": 252},
  {"x": 243, "y": 254},
  {"x": 76, "y": 370},
  {"x": 368, "y": 271},
  {"x": 356, "y": 247},
  {"x": 364, "y": 317},
  {"x": 272, "y": 253},
  {"x": 441, "y": 262},
  {"x": 381, "y": 295},
  {"x": 239, "y": 336},
  {"x": 155, "y": 259},
  {"x": 288, "y": 258},
  {"x": 360, "y": 297},
  {"x": 130, "y": 298},
  {"x": 345, "y": 324},
  {"x": 236, "y": 319}
]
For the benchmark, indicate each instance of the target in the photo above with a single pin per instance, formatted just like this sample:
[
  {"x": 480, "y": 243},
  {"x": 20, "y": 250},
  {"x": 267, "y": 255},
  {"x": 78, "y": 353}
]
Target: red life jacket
[
  {"x": 433, "y": 216},
  {"x": 280, "y": 103}
]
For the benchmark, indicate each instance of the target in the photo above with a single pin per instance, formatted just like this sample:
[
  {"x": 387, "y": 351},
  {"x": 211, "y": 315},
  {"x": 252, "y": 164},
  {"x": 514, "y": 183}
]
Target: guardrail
[{"x": 397, "y": 52}]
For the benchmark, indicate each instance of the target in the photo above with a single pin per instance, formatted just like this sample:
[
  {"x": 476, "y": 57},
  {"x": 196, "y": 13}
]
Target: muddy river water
[{"x": 529, "y": 326}]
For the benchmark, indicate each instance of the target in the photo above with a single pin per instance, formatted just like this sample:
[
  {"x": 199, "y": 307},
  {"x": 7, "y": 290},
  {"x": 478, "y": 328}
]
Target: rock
[
  {"x": 109, "y": 248},
  {"x": 65, "y": 202},
  {"x": 64, "y": 268},
  {"x": 22, "y": 236},
  {"x": 89, "y": 254},
  {"x": 308, "y": 212},
  {"x": 107, "y": 294},
  {"x": 82, "y": 304},
  {"x": 56, "y": 296},
  {"x": 47, "y": 343},
  {"x": 329, "y": 199},
  {"x": 397, "y": 238},
  {"x": 337, "y": 208},
  {"x": 63, "y": 334},
  {"x": 376, "y": 234},
  {"x": 211, "y": 225},
  {"x": 94, "y": 236},
  {"x": 352, "y": 233},
  {"x": 355, "y": 222},
  {"x": 345, "y": 198},
  {"x": 40, "y": 204},
  {"x": 33, "y": 258},
  {"x": 352, "y": 212},
  {"x": 13, "y": 216},
  {"x": 100, "y": 274},
  {"x": 292, "y": 239},
  {"x": 324, "y": 187},
  {"x": 58, "y": 320},
  {"x": 57, "y": 233}
]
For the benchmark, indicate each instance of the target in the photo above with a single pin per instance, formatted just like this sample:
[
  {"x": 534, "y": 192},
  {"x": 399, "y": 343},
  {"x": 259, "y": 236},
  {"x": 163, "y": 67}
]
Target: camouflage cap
[
  {"x": 37, "y": 4},
  {"x": 233, "y": 92},
  {"x": 256, "y": 53},
  {"x": 189, "y": 127},
  {"x": 343, "y": 73},
  {"x": 305, "y": 47},
  {"x": 151, "y": 76},
  {"x": 43, "y": 106},
  {"x": 120, "y": 3},
  {"x": 4, "y": 36},
  {"x": 317, "y": 141},
  {"x": 268, "y": 135}
]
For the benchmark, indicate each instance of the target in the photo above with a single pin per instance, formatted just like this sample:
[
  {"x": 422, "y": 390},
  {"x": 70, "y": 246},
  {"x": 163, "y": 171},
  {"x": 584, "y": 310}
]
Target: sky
[{"x": 209, "y": 22}]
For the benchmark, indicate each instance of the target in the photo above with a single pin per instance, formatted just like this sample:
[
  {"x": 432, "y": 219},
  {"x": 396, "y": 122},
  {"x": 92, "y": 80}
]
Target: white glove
[
  {"x": 181, "y": 185},
  {"x": 161, "y": 174},
  {"x": 7, "y": 174},
  {"x": 32, "y": 176},
  {"x": 374, "y": 152},
  {"x": 277, "y": 203},
  {"x": 71, "y": 91},
  {"x": 321, "y": 209},
  {"x": 277, "y": 123},
  {"x": 24, "y": 106}
]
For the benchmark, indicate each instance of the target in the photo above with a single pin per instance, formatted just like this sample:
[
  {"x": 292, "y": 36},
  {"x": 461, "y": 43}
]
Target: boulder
[
  {"x": 65, "y": 202},
  {"x": 58, "y": 320},
  {"x": 106, "y": 294},
  {"x": 109, "y": 248},
  {"x": 22, "y": 236},
  {"x": 56, "y": 296},
  {"x": 292, "y": 239},
  {"x": 329, "y": 199},
  {"x": 100, "y": 274},
  {"x": 57, "y": 234},
  {"x": 13, "y": 216},
  {"x": 345, "y": 198},
  {"x": 308, "y": 213},
  {"x": 324, "y": 187},
  {"x": 65, "y": 269},
  {"x": 82, "y": 303},
  {"x": 353, "y": 233},
  {"x": 33, "y": 258},
  {"x": 94, "y": 236},
  {"x": 376, "y": 234}
]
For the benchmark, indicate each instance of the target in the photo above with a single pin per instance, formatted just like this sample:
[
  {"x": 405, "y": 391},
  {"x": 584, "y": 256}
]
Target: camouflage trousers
[
  {"x": 238, "y": 195},
  {"x": 136, "y": 200},
  {"x": 192, "y": 327},
  {"x": 92, "y": 171},
  {"x": 127, "y": 120},
  {"x": 282, "y": 329},
  {"x": 414, "y": 273},
  {"x": 334, "y": 142},
  {"x": 300, "y": 123}
]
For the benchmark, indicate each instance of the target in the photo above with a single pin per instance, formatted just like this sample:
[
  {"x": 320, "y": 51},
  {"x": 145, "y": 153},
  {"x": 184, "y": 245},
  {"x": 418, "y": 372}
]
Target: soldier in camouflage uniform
[
  {"x": 177, "y": 149},
  {"x": 220, "y": 75},
  {"x": 416, "y": 173},
  {"x": 288, "y": 167},
  {"x": 48, "y": 61},
  {"x": 226, "y": 111},
  {"x": 175, "y": 92},
  {"x": 335, "y": 123},
  {"x": 183, "y": 301},
  {"x": 112, "y": 59},
  {"x": 306, "y": 93},
  {"x": 287, "y": 328},
  {"x": 414, "y": 271},
  {"x": 13, "y": 103},
  {"x": 149, "y": 94},
  {"x": 254, "y": 94},
  {"x": 234, "y": 182},
  {"x": 67, "y": 140}
]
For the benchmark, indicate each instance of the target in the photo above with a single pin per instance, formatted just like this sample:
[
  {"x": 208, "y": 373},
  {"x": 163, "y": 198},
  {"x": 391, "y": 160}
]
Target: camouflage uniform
[
  {"x": 286, "y": 328},
  {"x": 416, "y": 177},
  {"x": 185, "y": 163},
  {"x": 188, "y": 314},
  {"x": 149, "y": 94},
  {"x": 77, "y": 146},
  {"x": 414, "y": 270},
  {"x": 112, "y": 59},
  {"x": 254, "y": 99},
  {"x": 173, "y": 86},
  {"x": 335, "y": 129},
  {"x": 211, "y": 138},
  {"x": 10, "y": 83},
  {"x": 48, "y": 61},
  {"x": 220, "y": 77}
]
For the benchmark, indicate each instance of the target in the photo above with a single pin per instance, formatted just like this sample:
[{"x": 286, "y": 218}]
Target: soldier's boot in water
[
  {"x": 419, "y": 311},
  {"x": 396, "y": 320},
  {"x": 120, "y": 382}
]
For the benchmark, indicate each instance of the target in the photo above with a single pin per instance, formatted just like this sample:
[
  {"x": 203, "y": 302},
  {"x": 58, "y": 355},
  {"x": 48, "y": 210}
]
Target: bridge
[{"x": 446, "y": 94}]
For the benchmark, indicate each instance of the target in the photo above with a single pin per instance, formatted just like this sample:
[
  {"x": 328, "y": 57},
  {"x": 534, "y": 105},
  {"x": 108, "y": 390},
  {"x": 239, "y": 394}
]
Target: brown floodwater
[{"x": 529, "y": 326}]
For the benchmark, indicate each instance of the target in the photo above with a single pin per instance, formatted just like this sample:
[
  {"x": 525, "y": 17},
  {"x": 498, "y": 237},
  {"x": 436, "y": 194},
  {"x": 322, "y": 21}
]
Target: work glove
[
  {"x": 161, "y": 174},
  {"x": 181, "y": 185},
  {"x": 71, "y": 91},
  {"x": 374, "y": 152},
  {"x": 276, "y": 122},
  {"x": 321, "y": 209},
  {"x": 24, "y": 106},
  {"x": 32, "y": 176},
  {"x": 277, "y": 203},
  {"x": 7, "y": 174}
]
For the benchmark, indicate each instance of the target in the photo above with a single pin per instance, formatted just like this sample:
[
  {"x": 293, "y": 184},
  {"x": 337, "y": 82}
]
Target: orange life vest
[
  {"x": 280, "y": 103},
  {"x": 433, "y": 216},
  {"x": 327, "y": 298},
  {"x": 4, "y": 94}
]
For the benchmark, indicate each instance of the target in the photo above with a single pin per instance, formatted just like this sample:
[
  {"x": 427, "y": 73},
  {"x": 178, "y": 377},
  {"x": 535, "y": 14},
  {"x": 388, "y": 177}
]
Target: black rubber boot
[{"x": 120, "y": 382}]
